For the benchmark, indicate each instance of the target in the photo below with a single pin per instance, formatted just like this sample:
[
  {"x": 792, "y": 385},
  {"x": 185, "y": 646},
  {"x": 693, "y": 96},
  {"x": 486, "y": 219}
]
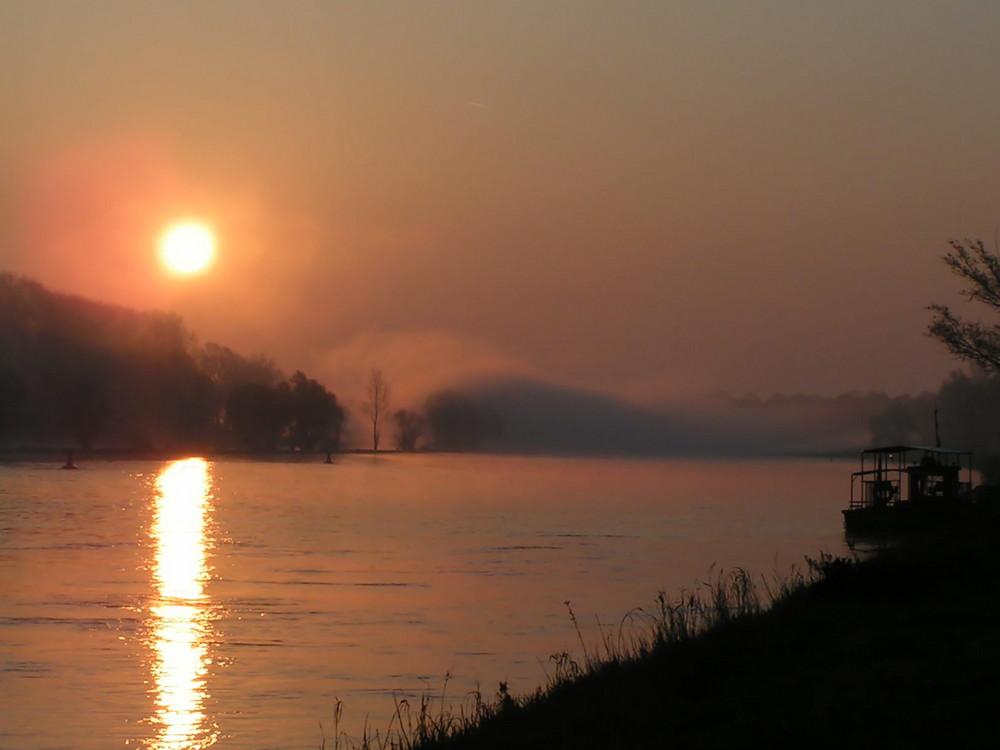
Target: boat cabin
[{"x": 901, "y": 485}]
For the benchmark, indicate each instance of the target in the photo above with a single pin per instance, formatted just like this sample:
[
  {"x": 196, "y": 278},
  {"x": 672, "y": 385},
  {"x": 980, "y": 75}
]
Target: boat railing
[{"x": 875, "y": 488}]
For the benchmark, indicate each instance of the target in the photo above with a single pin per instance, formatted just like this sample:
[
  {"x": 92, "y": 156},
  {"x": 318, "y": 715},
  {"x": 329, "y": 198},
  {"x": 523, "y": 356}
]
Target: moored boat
[{"x": 909, "y": 487}]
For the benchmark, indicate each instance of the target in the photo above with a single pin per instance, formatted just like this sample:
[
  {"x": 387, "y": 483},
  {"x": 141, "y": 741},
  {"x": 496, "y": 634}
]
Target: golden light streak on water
[{"x": 181, "y": 612}]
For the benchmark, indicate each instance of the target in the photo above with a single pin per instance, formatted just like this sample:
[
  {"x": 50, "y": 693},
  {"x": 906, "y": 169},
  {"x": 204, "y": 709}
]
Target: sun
[{"x": 187, "y": 247}]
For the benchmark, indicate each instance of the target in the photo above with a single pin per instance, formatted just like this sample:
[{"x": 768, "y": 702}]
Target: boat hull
[{"x": 905, "y": 517}]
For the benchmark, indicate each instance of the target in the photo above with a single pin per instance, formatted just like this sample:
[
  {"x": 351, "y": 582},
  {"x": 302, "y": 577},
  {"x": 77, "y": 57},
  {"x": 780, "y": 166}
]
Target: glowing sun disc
[{"x": 187, "y": 247}]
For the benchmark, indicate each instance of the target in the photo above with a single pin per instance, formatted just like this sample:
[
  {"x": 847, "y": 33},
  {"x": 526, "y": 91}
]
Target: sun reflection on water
[{"x": 181, "y": 613}]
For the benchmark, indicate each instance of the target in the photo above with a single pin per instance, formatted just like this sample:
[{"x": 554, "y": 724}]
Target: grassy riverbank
[{"x": 899, "y": 650}]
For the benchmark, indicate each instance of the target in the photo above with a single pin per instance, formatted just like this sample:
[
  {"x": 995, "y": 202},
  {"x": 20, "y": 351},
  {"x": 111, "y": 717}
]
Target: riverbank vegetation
[{"x": 898, "y": 649}]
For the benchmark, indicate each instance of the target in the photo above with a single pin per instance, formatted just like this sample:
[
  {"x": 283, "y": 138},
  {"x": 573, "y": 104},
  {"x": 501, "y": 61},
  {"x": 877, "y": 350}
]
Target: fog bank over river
[{"x": 543, "y": 418}]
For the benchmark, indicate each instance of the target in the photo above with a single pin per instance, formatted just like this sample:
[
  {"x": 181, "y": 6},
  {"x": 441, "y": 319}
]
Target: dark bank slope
[{"x": 901, "y": 650}]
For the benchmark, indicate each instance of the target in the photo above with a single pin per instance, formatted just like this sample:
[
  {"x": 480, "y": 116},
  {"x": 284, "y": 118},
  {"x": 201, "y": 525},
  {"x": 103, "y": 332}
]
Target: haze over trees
[
  {"x": 227, "y": 370},
  {"x": 101, "y": 375},
  {"x": 82, "y": 373},
  {"x": 74, "y": 372},
  {"x": 91, "y": 372},
  {"x": 459, "y": 422},
  {"x": 257, "y": 415},
  {"x": 409, "y": 429},
  {"x": 316, "y": 417}
]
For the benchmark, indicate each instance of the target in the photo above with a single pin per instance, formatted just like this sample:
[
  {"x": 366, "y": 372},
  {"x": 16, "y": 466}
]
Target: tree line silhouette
[
  {"x": 75, "y": 372},
  {"x": 105, "y": 376}
]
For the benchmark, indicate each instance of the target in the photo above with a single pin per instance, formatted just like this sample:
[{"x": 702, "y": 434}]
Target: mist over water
[
  {"x": 543, "y": 418},
  {"x": 192, "y": 603}
]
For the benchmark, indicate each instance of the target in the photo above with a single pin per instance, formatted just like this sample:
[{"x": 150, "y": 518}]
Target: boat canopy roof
[{"x": 911, "y": 448}]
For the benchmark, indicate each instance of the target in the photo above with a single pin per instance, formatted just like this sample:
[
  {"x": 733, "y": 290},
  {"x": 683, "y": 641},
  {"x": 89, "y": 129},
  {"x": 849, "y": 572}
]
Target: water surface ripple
[{"x": 199, "y": 603}]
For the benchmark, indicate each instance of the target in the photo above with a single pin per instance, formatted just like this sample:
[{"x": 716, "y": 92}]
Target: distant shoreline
[
  {"x": 29, "y": 455},
  {"x": 81, "y": 457}
]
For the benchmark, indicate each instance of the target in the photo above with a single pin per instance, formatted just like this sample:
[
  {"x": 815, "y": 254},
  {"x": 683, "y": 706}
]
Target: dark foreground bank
[{"x": 899, "y": 650}]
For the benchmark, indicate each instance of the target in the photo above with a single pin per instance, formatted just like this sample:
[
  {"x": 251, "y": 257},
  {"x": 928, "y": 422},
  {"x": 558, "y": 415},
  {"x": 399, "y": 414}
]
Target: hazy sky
[{"x": 651, "y": 198}]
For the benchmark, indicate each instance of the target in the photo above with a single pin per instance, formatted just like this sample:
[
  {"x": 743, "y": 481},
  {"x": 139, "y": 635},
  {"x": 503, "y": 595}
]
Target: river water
[{"x": 230, "y": 604}]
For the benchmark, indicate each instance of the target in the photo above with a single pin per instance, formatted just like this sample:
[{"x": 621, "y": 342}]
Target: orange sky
[{"x": 652, "y": 198}]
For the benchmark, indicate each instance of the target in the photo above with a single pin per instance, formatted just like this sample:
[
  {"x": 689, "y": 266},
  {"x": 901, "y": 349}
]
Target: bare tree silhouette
[{"x": 377, "y": 404}]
